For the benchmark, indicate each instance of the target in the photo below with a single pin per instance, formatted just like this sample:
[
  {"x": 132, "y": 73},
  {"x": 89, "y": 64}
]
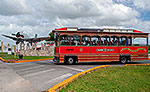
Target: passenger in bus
[
  {"x": 73, "y": 40},
  {"x": 97, "y": 43},
  {"x": 114, "y": 42},
  {"x": 83, "y": 41},
  {"x": 101, "y": 42},
  {"x": 124, "y": 42},
  {"x": 76, "y": 42},
  {"x": 62, "y": 41},
  {"x": 66, "y": 42},
  {"x": 94, "y": 42},
  {"x": 105, "y": 42},
  {"x": 88, "y": 42}
]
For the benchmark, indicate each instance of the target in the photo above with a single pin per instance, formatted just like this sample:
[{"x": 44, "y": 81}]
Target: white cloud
[
  {"x": 144, "y": 4},
  {"x": 138, "y": 4},
  {"x": 64, "y": 9},
  {"x": 38, "y": 16},
  {"x": 14, "y": 7}
]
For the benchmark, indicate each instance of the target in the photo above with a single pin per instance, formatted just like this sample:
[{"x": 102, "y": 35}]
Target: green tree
[{"x": 51, "y": 37}]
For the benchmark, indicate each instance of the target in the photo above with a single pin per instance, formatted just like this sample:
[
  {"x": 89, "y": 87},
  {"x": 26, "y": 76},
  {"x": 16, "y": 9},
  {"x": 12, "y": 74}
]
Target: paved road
[{"x": 44, "y": 74}]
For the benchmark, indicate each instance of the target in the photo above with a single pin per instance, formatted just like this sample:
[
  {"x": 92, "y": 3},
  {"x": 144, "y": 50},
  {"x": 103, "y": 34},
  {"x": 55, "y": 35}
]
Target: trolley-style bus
[{"x": 74, "y": 45}]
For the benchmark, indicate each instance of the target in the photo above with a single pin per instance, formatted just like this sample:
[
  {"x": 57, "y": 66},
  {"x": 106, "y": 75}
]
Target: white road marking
[
  {"x": 72, "y": 68},
  {"x": 40, "y": 72},
  {"x": 21, "y": 65},
  {"x": 59, "y": 78},
  {"x": 30, "y": 68}
]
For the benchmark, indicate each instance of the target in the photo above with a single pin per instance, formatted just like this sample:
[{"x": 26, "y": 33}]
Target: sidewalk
[
  {"x": 11, "y": 82},
  {"x": 22, "y": 61}
]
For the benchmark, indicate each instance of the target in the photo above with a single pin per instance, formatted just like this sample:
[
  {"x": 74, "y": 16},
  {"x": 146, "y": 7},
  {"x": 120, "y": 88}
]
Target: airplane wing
[
  {"x": 14, "y": 38},
  {"x": 35, "y": 39}
]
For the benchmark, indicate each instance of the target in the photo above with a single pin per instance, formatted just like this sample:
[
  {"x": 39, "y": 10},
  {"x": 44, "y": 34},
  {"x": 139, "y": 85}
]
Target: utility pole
[
  {"x": 14, "y": 51},
  {"x": 2, "y": 43}
]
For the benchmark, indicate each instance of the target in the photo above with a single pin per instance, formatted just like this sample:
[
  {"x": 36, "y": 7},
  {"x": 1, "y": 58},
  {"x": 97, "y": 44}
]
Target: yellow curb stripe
[
  {"x": 2, "y": 59},
  {"x": 33, "y": 60},
  {"x": 22, "y": 61},
  {"x": 59, "y": 86},
  {"x": 136, "y": 64},
  {"x": 70, "y": 79}
]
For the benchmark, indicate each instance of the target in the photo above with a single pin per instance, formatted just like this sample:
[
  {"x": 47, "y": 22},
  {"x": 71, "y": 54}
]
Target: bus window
[
  {"x": 114, "y": 40},
  {"x": 105, "y": 40},
  {"x": 130, "y": 41},
  {"x": 75, "y": 40},
  {"x": 140, "y": 41},
  {"x": 86, "y": 40},
  {"x": 64, "y": 40},
  {"x": 95, "y": 40},
  {"x": 123, "y": 40}
]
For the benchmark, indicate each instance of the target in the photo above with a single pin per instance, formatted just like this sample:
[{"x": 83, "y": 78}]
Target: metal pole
[
  {"x": 14, "y": 51},
  {"x": 147, "y": 41},
  {"x": 2, "y": 46}
]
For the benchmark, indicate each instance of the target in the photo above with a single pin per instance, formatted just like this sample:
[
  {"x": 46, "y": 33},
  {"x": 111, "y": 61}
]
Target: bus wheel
[
  {"x": 123, "y": 60},
  {"x": 70, "y": 60}
]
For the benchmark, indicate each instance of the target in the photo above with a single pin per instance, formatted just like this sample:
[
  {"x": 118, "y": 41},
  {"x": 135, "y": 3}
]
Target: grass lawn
[
  {"x": 113, "y": 79},
  {"x": 5, "y": 56}
]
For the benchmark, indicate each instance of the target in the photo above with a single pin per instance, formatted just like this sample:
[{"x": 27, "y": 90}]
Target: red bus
[{"x": 74, "y": 45}]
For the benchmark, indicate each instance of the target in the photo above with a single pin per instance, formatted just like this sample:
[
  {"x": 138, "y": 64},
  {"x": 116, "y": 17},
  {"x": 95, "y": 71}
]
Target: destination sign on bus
[{"x": 105, "y": 50}]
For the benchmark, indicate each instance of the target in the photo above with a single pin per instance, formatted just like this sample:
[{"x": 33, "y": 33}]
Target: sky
[{"x": 42, "y": 16}]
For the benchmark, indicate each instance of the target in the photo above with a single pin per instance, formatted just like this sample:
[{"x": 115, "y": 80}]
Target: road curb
[
  {"x": 136, "y": 64},
  {"x": 22, "y": 61},
  {"x": 2, "y": 59},
  {"x": 59, "y": 86}
]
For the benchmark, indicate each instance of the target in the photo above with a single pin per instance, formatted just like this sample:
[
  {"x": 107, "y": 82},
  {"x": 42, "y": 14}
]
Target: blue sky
[
  {"x": 145, "y": 15},
  {"x": 42, "y": 16}
]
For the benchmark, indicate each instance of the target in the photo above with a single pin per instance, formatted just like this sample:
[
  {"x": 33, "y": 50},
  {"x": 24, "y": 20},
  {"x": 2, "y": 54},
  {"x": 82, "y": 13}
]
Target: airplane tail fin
[{"x": 35, "y": 35}]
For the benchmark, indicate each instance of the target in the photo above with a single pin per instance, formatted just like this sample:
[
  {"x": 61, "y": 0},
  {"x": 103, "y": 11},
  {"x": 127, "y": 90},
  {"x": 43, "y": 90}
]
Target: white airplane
[{"x": 21, "y": 38}]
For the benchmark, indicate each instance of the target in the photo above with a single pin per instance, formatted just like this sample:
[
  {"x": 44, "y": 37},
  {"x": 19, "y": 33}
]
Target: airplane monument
[{"x": 31, "y": 49}]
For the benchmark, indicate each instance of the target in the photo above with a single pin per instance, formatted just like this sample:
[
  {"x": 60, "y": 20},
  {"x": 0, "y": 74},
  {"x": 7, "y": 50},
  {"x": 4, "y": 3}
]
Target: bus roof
[{"x": 98, "y": 30}]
